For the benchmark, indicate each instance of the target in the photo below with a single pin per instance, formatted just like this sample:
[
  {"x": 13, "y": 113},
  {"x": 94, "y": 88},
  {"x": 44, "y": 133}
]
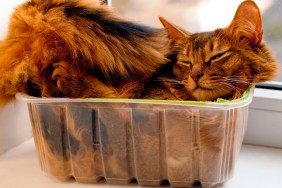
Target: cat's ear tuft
[
  {"x": 174, "y": 32},
  {"x": 247, "y": 23}
]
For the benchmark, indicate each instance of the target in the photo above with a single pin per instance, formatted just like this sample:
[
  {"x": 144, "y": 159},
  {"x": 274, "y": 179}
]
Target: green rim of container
[{"x": 244, "y": 100}]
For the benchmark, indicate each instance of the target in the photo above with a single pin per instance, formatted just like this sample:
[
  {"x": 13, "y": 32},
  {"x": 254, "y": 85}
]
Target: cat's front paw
[{"x": 68, "y": 79}]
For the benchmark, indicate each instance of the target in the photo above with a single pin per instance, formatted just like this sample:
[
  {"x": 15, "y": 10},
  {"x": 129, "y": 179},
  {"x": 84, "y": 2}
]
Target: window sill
[
  {"x": 258, "y": 167},
  {"x": 265, "y": 117}
]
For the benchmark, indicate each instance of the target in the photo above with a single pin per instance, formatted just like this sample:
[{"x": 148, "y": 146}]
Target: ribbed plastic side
[{"x": 150, "y": 143}]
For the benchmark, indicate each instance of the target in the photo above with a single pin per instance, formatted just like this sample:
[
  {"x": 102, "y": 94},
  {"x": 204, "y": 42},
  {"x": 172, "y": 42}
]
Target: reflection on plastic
[{"x": 148, "y": 143}]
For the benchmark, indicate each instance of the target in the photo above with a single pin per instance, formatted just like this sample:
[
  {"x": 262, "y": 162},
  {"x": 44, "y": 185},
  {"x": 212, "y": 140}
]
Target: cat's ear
[
  {"x": 174, "y": 32},
  {"x": 247, "y": 23}
]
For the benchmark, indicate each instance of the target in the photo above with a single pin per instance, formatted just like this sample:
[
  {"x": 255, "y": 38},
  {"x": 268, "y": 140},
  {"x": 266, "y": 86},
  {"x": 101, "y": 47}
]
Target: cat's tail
[{"x": 13, "y": 73}]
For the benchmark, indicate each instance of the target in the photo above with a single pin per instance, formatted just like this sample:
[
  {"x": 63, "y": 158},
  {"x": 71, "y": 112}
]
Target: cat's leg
[
  {"x": 74, "y": 82},
  {"x": 178, "y": 92},
  {"x": 132, "y": 89}
]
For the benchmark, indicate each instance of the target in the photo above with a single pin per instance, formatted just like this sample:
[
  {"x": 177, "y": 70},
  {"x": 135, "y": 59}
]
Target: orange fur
[
  {"x": 90, "y": 38},
  {"x": 82, "y": 49}
]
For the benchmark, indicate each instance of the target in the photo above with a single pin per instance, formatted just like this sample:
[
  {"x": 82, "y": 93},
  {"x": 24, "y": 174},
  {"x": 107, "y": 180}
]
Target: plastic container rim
[{"x": 245, "y": 100}]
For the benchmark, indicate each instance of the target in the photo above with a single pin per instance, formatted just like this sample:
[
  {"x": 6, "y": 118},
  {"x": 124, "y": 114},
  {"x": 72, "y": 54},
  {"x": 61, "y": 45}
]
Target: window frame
[{"x": 265, "y": 118}]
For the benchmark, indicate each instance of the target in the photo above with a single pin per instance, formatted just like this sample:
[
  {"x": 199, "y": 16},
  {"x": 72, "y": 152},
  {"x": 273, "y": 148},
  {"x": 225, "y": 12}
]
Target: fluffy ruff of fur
[{"x": 81, "y": 37}]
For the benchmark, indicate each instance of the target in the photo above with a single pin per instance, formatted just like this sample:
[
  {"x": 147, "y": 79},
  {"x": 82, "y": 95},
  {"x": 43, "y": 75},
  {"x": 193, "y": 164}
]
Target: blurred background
[{"x": 204, "y": 15}]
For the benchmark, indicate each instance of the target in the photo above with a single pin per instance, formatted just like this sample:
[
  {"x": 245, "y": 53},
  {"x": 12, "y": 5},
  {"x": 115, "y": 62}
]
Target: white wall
[
  {"x": 14, "y": 119},
  {"x": 15, "y": 126},
  {"x": 6, "y": 8}
]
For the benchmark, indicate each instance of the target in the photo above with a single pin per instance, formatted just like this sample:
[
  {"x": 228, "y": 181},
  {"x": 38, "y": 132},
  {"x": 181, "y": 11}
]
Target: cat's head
[{"x": 225, "y": 62}]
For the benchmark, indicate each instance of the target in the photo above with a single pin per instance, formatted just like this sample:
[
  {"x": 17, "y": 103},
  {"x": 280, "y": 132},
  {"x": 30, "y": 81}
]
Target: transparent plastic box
[{"x": 145, "y": 141}]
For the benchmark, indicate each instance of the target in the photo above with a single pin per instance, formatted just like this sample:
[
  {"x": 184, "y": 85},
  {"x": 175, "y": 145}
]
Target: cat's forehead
[{"x": 205, "y": 41}]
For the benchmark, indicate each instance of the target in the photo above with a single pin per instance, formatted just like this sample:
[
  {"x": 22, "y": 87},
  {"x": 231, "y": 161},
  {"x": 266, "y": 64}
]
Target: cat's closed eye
[
  {"x": 217, "y": 56},
  {"x": 187, "y": 62}
]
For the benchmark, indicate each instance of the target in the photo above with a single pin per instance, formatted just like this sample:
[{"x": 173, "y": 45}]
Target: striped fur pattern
[{"x": 54, "y": 45}]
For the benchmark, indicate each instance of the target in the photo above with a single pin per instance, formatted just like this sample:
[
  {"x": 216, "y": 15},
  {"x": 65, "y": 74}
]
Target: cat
[
  {"x": 214, "y": 83},
  {"x": 96, "y": 61},
  {"x": 77, "y": 48},
  {"x": 119, "y": 141},
  {"x": 220, "y": 64}
]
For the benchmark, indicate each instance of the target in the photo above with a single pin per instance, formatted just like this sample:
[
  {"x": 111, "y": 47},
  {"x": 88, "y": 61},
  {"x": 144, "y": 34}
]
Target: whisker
[
  {"x": 169, "y": 80},
  {"x": 236, "y": 78},
  {"x": 230, "y": 80},
  {"x": 233, "y": 87}
]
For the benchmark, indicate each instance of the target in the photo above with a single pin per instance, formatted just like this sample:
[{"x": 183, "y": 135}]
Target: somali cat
[
  {"x": 152, "y": 144},
  {"x": 77, "y": 48},
  {"x": 219, "y": 64}
]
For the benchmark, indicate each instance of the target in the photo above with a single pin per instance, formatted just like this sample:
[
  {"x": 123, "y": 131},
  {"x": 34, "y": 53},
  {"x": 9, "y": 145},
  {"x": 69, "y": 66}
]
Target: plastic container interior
[{"x": 144, "y": 141}]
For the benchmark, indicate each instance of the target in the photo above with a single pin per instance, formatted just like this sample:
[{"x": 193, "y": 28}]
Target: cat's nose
[{"x": 196, "y": 75}]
